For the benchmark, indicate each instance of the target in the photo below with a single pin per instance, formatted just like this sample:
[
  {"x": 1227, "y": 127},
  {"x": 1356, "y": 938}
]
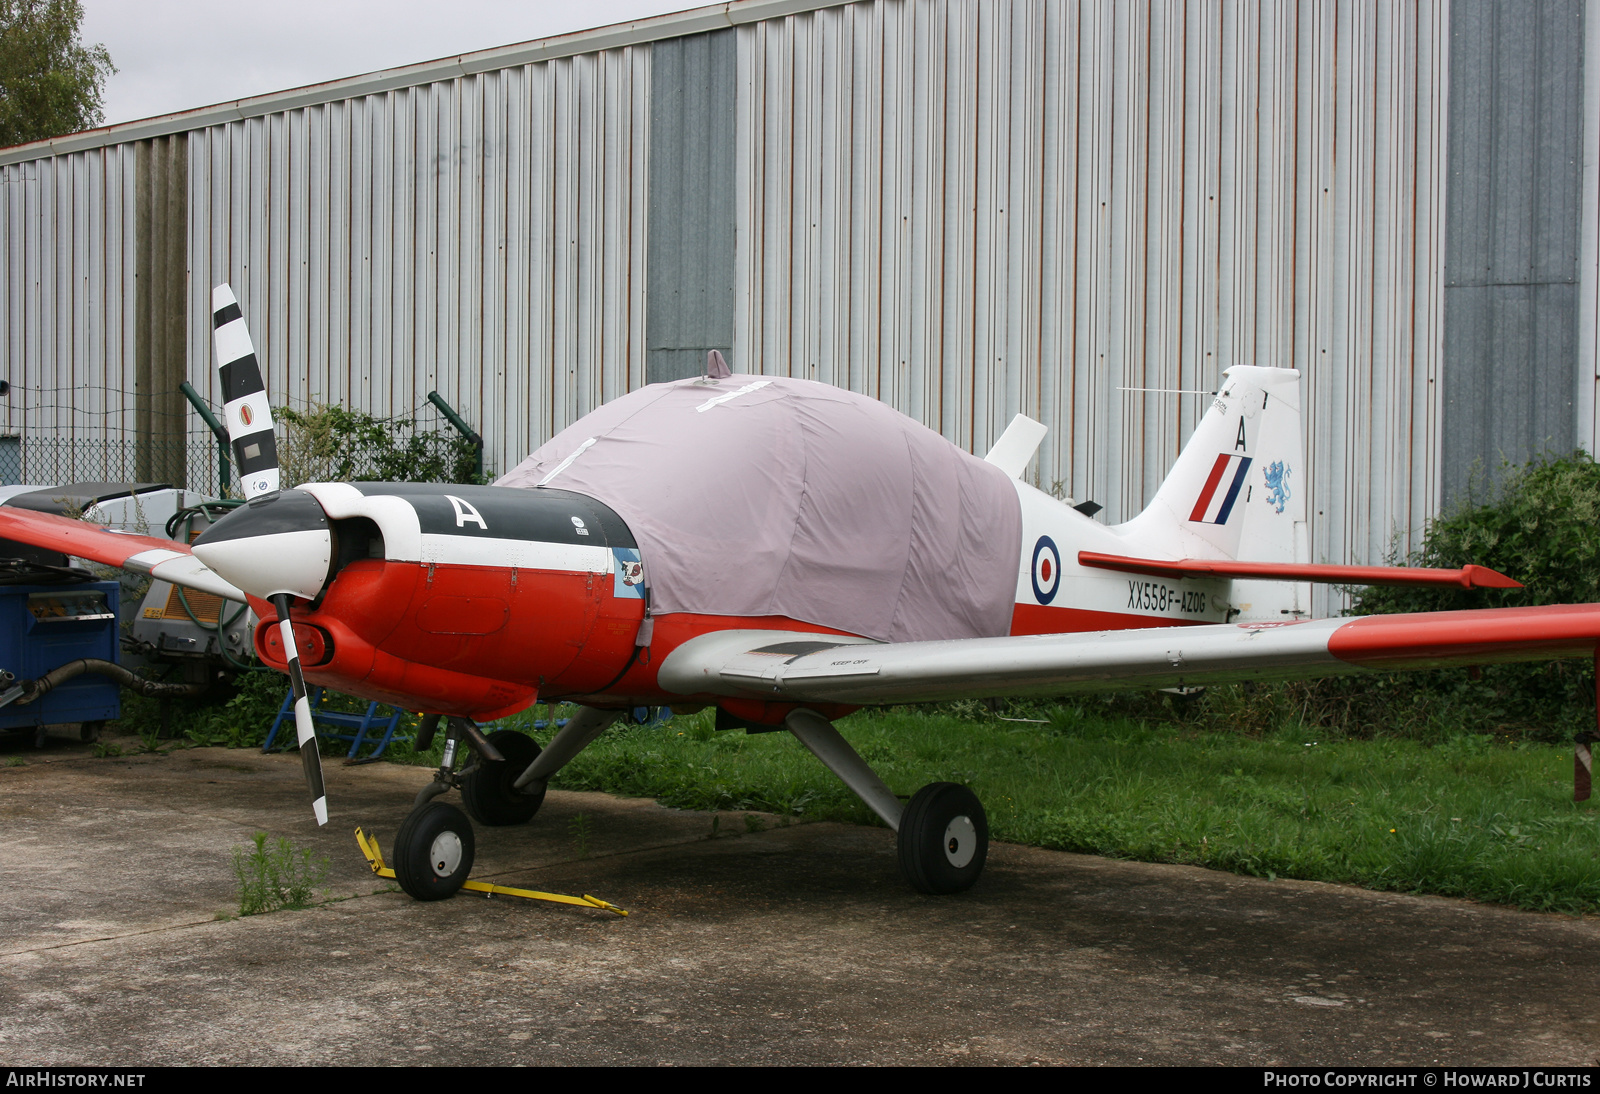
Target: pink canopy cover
[{"x": 763, "y": 495}]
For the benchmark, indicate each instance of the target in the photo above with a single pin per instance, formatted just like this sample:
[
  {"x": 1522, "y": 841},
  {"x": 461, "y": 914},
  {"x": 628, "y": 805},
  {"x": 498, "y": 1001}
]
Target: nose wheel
[
  {"x": 943, "y": 839},
  {"x": 433, "y": 851}
]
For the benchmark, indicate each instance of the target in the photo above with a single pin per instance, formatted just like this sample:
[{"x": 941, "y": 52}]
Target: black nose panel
[{"x": 285, "y": 511}]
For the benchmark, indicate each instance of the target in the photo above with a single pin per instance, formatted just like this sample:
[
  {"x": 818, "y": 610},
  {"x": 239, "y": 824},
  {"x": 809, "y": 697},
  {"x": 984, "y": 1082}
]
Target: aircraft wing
[
  {"x": 794, "y": 667},
  {"x": 161, "y": 558}
]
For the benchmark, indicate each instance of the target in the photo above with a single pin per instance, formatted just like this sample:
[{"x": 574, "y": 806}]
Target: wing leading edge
[
  {"x": 784, "y": 667},
  {"x": 160, "y": 558}
]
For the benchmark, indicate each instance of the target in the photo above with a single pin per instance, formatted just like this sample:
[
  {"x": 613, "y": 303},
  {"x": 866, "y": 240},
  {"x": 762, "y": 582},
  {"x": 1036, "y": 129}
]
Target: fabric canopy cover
[{"x": 768, "y": 496}]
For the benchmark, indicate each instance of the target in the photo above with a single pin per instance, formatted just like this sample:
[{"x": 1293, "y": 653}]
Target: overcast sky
[{"x": 179, "y": 54}]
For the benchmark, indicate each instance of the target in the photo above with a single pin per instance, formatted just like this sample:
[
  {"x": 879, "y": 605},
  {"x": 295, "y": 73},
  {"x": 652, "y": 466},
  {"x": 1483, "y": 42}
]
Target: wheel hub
[
  {"x": 960, "y": 841},
  {"x": 445, "y": 855}
]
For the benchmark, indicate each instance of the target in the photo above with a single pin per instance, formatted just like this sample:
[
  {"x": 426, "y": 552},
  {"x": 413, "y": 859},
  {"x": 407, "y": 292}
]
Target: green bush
[
  {"x": 1541, "y": 526},
  {"x": 1538, "y": 526},
  {"x": 336, "y": 444},
  {"x": 236, "y": 714}
]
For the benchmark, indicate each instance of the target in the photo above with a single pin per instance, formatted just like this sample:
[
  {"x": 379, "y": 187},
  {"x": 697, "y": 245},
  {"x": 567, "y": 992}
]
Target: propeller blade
[
  {"x": 249, "y": 418},
  {"x": 310, "y": 758}
]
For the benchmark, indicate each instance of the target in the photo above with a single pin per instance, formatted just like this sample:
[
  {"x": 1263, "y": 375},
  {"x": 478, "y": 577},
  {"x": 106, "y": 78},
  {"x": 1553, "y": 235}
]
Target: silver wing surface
[{"x": 797, "y": 667}]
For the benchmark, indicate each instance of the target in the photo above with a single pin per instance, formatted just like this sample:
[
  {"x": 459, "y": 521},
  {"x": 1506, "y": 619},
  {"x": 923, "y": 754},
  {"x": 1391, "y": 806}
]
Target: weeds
[{"x": 276, "y": 876}]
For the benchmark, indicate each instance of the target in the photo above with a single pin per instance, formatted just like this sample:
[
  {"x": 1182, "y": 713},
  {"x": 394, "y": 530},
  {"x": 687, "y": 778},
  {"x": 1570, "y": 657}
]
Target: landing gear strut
[
  {"x": 942, "y": 835},
  {"x": 503, "y": 783}
]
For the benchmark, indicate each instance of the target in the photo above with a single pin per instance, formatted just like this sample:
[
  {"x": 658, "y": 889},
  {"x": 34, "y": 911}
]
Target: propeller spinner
[{"x": 278, "y": 546}]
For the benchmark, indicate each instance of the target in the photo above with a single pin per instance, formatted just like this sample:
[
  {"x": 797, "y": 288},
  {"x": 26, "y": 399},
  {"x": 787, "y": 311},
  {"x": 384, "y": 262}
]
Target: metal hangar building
[{"x": 1082, "y": 210}]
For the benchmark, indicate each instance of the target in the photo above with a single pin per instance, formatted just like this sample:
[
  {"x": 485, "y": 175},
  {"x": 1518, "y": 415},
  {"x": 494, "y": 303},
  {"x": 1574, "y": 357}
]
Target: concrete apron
[{"x": 795, "y": 944}]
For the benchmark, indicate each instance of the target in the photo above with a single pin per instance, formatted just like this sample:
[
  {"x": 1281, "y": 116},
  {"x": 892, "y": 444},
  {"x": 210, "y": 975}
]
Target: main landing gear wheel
[
  {"x": 488, "y": 792},
  {"x": 944, "y": 839},
  {"x": 433, "y": 851}
]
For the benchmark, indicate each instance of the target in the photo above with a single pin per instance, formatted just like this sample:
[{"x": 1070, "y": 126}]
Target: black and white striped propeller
[{"x": 255, "y": 452}]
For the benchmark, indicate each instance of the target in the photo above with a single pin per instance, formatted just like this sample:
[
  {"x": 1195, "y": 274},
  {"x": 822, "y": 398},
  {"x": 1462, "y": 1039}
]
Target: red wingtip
[{"x": 1481, "y": 577}]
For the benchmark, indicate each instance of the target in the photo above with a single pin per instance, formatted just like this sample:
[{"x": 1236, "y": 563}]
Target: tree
[{"x": 50, "y": 83}]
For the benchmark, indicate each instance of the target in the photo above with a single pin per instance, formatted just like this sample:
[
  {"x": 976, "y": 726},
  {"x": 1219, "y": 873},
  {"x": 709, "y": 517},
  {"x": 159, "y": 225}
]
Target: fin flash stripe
[{"x": 1221, "y": 490}]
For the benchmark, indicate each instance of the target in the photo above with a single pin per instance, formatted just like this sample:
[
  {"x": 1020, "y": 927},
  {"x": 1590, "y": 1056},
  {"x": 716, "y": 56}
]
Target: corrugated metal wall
[
  {"x": 965, "y": 207},
  {"x": 483, "y": 236},
  {"x": 1512, "y": 313},
  {"x": 973, "y": 208},
  {"x": 67, "y": 293}
]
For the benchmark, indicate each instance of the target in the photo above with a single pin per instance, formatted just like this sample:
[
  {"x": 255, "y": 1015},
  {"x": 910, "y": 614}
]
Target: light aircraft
[{"x": 787, "y": 552}]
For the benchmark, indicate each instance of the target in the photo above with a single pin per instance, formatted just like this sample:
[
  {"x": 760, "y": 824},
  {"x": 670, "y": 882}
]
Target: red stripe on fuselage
[{"x": 1038, "y": 619}]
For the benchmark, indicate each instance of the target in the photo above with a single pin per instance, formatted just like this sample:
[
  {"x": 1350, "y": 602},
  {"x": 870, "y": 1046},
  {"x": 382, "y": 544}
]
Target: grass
[
  {"x": 1418, "y": 798},
  {"x": 273, "y": 876},
  {"x": 1472, "y": 816}
]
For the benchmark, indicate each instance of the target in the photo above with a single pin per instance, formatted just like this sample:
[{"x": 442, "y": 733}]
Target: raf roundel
[{"x": 1046, "y": 570}]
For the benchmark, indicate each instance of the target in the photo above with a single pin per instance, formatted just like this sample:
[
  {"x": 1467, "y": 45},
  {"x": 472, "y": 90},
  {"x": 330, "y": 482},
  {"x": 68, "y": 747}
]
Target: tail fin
[{"x": 1237, "y": 488}]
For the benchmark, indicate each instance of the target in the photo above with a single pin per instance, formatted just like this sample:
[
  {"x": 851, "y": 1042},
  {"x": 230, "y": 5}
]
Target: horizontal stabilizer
[{"x": 1468, "y": 577}]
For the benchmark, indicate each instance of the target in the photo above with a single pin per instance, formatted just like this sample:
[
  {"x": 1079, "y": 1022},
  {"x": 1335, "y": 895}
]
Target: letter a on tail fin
[{"x": 1242, "y": 464}]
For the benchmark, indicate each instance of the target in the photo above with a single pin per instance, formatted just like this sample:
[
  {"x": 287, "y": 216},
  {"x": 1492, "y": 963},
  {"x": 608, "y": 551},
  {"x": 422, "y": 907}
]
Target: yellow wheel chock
[{"x": 370, "y": 848}]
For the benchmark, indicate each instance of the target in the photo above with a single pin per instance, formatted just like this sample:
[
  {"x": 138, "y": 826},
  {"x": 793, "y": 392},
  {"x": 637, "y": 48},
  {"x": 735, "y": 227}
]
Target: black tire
[
  {"x": 488, "y": 793},
  {"x": 944, "y": 839},
  {"x": 433, "y": 851}
]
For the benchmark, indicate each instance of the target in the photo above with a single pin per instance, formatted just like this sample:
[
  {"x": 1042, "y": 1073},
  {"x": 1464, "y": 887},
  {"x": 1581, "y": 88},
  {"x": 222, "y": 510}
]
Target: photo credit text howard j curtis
[{"x": 1426, "y": 1078}]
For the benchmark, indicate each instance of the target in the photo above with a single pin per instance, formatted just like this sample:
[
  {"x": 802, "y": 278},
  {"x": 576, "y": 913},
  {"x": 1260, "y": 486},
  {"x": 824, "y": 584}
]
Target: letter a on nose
[{"x": 466, "y": 512}]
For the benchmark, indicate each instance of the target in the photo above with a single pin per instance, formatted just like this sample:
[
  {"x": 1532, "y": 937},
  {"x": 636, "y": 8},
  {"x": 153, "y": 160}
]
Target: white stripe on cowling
[{"x": 521, "y": 553}]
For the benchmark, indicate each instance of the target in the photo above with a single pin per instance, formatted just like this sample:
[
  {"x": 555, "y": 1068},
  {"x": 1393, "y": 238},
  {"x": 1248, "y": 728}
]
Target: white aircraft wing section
[
  {"x": 811, "y": 668},
  {"x": 161, "y": 558}
]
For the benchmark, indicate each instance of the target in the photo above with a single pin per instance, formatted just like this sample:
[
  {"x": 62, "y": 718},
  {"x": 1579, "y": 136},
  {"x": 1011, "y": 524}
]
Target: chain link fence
[
  {"x": 420, "y": 445},
  {"x": 48, "y": 461}
]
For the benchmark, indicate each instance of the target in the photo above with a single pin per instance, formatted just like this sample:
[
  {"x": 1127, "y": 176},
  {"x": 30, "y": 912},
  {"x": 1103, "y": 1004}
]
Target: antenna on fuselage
[{"x": 716, "y": 366}]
